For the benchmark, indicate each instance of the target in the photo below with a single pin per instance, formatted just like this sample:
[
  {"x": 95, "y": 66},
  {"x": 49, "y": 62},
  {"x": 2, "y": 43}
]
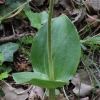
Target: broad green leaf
[
  {"x": 3, "y": 75},
  {"x": 37, "y": 19},
  {"x": 36, "y": 78},
  {"x": 7, "y": 51},
  {"x": 66, "y": 51}
]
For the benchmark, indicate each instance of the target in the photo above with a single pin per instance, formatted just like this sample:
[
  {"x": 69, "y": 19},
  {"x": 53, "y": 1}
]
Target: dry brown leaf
[
  {"x": 56, "y": 2},
  {"x": 93, "y": 20},
  {"x": 72, "y": 98},
  {"x": 90, "y": 8},
  {"x": 36, "y": 92},
  {"x": 57, "y": 11},
  {"x": 81, "y": 89},
  {"x": 86, "y": 98},
  {"x": 2, "y": 1},
  {"x": 60, "y": 97},
  {"x": 98, "y": 98},
  {"x": 13, "y": 93},
  {"x": 65, "y": 3},
  {"x": 97, "y": 92},
  {"x": 83, "y": 76},
  {"x": 22, "y": 66},
  {"x": 80, "y": 14},
  {"x": 95, "y": 4}
]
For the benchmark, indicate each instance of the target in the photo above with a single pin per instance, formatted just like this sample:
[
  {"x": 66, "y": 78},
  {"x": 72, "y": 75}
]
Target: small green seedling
[
  {"x": 55, "y": 54},
  {"x": 3, "y": 75}
]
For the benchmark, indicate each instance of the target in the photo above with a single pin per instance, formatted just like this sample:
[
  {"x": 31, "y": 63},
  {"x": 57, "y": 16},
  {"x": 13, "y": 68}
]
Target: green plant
[
  {"x": 3, "y": 75},
  {"x": 6, "y": 54},
  {"x": 55, "y": 54},
  {"x": 7, "y": 51},
  {"x": 92, "y": 40},
  {"x": 39, "y": 18},
  {"x": 4, "y": 68},
  {"x": 24, "y": 41}
]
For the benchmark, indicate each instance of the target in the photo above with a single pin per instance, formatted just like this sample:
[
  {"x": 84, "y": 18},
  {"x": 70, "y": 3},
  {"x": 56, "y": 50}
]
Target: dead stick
[{"x": 14, "y": 37}]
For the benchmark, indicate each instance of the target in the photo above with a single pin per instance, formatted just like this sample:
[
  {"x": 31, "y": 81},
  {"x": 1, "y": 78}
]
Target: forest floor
[{"x": 16, "y": 30}]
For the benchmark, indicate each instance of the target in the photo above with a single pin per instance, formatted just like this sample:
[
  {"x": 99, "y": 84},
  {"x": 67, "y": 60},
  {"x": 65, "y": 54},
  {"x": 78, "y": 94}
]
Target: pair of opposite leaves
[{"x": 65, "y": 55}]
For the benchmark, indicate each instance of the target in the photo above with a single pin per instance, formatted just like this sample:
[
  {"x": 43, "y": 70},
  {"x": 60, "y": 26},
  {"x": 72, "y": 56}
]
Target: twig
[
  {"x": 65, "y": 93},
  {"x": 20, "y": 92},
  {"x": 92, "y": 17},
  {"x": 35, "y": 7},
  {"x": 13, "y": 28},
  {"x": 14, "y": 37}
]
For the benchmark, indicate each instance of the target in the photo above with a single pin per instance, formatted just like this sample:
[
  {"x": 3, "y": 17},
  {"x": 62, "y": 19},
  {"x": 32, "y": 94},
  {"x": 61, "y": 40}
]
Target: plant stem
[
  {"x": 51, "y": 94},
  {"x": 51, "y": 70}
]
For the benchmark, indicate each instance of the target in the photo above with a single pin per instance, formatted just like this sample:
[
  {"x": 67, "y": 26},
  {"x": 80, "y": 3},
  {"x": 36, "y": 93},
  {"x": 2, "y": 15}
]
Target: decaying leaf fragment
[
  {"x": 31, "y": 93},
  {"x": 86, "y": 98},
  {"x": 36, "y": 92},
  {"x": 11, "y": 93},
  {"x": 81, "y": 89},
  {"x": 93, "y": 20},
  {"x": 2, "y": 1},
  {"x": 80, "y": 14},
  {"x": 65, "y": 3},
  {"x": 95, "y": 4}
]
